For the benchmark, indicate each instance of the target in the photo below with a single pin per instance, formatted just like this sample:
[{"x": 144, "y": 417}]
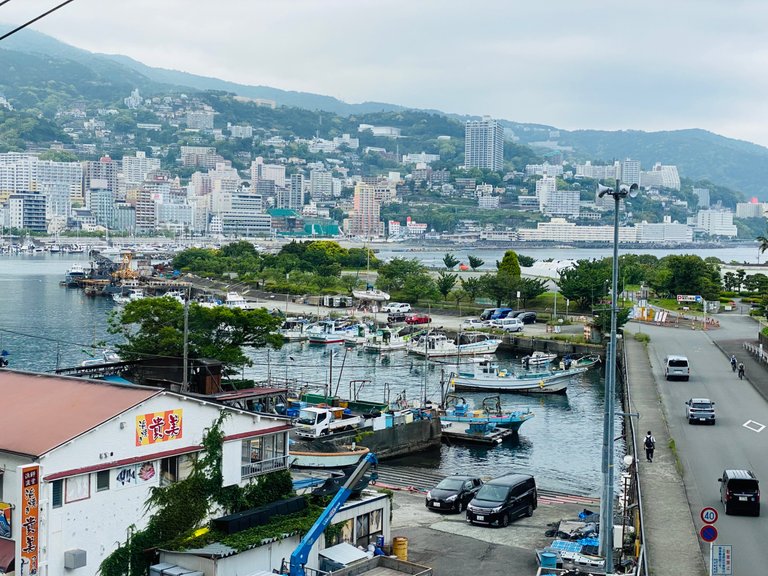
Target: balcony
[{"x": 253, "y": 469}]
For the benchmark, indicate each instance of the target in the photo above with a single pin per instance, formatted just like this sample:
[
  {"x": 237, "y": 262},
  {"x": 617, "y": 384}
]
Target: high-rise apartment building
[
  {"x": 545, "y": 187},
  {"x": 292, "y": 197},
  {"x": 262, "y": 171},
  {"x": 484, "y": 144},
  {"x": 630, "y": 171},
  {"x": 365, "y": 219},
  {"x": 136, "y": 168},
  {"x": 320, "y": 184}
]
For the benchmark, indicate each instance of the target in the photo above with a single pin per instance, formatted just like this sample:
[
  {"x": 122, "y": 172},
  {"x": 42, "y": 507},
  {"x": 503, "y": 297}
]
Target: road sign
[
  {"x": 688, "y": 298},
  {"x": 708, "y": 515},
  {"x": 721, "y": 560},
  {"x": 708, "y": 533}
]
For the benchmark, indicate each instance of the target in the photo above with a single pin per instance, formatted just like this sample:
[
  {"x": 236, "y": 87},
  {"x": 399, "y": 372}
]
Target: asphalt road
[{"x": 738, "y": 440}]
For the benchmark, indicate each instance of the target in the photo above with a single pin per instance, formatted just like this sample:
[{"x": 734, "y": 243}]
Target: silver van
[
  {"x": 676, "y": 367},
  {"x": 508, "y": 324}
]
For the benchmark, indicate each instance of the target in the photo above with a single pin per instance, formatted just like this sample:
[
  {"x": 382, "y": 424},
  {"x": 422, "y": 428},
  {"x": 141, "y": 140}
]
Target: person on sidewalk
[
  {"x": 741, "y": 370},
  {"x": 650, "y": 445}
]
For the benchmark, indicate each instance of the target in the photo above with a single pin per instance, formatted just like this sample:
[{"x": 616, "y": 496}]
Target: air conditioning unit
[{"x": 74, "y": 559}]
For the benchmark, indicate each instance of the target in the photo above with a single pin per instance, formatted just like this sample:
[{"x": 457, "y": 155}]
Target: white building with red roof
[{"x": 78, "y": 459}]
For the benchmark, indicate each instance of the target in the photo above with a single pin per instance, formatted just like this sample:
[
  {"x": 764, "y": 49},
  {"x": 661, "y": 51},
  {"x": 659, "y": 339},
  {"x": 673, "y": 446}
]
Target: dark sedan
[{"x": 453, "y": 494}]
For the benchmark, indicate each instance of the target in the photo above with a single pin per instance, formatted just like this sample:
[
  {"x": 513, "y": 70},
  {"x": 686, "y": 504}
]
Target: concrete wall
[{"x": 405, "y": 439}]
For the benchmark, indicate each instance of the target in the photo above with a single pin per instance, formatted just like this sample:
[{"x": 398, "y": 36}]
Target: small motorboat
[
  {"x": 538, "y": 358},
  {"x": 459, "y": 410}
]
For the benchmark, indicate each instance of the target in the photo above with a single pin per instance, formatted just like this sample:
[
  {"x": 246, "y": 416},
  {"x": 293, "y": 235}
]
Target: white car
[
  {"x": 508, "y": 324},
  {"x": 473, "y": 323},
  {"x": 397, "y": 307}
]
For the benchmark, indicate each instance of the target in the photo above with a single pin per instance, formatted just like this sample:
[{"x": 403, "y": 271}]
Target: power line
[{"x": 40, "y": 17}]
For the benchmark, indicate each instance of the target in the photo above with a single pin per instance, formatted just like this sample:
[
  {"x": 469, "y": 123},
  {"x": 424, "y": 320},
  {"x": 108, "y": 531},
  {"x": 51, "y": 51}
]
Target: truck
[
  {"x": 314, "y": 422},
  {"x": 300, "y": 555}
]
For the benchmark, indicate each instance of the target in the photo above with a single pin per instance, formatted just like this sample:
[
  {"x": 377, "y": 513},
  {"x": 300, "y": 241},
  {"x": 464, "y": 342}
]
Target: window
[
  {"x": 102, "y": 480},
  {"x": 58, "y": 493},
  {"x": 175, "y": 468},
  {"x": 344, "y": 535},
  {"x": 263, "y": 454},
  {"x": 368, "y": 527},
  {"x": 77, "y": 488}
]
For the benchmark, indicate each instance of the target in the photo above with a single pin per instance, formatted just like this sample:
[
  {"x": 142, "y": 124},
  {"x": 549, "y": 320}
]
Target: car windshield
[
  {"x": 492, "y": 493},
  {"x": 701, "y": 405},
  {"x": 450, "y": 484}
]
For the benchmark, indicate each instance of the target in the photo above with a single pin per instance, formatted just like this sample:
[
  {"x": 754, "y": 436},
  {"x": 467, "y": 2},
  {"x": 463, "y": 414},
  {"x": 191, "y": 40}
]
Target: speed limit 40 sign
[{"x": 708, "y": 515}]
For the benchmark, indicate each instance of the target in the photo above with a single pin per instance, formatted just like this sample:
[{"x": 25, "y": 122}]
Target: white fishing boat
[
  {"x": 487, "y": 376},
  {"x": 385, "y": 340},
  {"x": 325, "y": 332},
  {"x": 294, "y": 330},
  {"x": 538, "y": 358},
  {"x": 345, "y": 456},
  {"x": 371, "y": 295},
  {"x": 74, "y": 275},
  {"x": 357, "y": 334},
  {"x": 131, "y": 296},
  {"x": 235, "y": 300},
  {"x": 438, "y": 345}
]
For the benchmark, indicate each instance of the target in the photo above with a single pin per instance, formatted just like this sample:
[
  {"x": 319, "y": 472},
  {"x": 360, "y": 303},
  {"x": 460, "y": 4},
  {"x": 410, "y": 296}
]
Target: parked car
[
  {"x": 473, "y": 323},
  {"x": 487, "y": 313},
  {"x": 676, "y": 367},
  {"x": 501, "y": 499},
  {"x": 740, "y": 492},
  {"x": 453, "y": 493},
  {"x": 417, "y": 319},
  {"x": 396, "y": 317},
  {"x": 397, "y": 307},
  {"x": 700, "y": 410},
  {"x": 500, "y": 313},
  {"x": 508, "y": 324},
  {"x": 526, "y": 317}
]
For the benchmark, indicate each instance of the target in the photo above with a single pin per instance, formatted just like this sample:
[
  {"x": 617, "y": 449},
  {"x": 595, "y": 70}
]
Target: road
[{"x": 734, "y": 442}]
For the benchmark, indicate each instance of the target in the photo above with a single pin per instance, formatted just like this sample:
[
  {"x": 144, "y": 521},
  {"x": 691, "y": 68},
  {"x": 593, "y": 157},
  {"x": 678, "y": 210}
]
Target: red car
[{"x": 418, "y": 319}]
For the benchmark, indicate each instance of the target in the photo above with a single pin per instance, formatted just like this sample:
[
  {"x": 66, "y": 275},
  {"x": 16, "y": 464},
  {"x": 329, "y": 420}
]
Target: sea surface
[{"x": 44, "y": 326}]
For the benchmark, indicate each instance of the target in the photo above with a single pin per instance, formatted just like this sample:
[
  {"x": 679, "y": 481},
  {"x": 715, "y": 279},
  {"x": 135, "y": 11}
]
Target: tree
[
  {"x": 740, "y": 276},
  {"x": 472, "y": 286},
  {"x": 687, "y": 274},
  {"x": 509, "y": 264},
  {"x": 530, "y": 288},
  {"x": 602, "y": 320},
  {"x": 393, "y": 274},
  {"x": 458, "y": 296},
  {"x": 450, "y": 260},
  {"x": 525, "y": 261},
  {"x": 584, "y": 280},
  {"x": 445, "y": 282},
  {"x": 763, "y": 240},
  {"x": 475, "y": 262},
  {"x": 498, "y": 287},
  {"x": 729, "y": 281},
  {"x": 155, "y": 327}
]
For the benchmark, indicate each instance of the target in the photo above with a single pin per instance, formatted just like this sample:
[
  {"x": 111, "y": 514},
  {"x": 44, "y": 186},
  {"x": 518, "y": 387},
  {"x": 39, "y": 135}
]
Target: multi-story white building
[
  {"x": 101, "y": 202},
  {"x": 420, "y": 158},
  {"x": 262, "y": 171},
  {"x": 545, "y": 187},
  {"x": 320, "y": 184},
  {"x": 346, "y": 140},
  {"x": 609, "y": 172},
  {"x": 751, "y": 209},
  {"x": 136, "y": 168},
  {"x": 100, "y": 463},
  {"x": 200, "y": 156},
  {"x": 488, "y": 202},
  {"x": 484, "y": 144},
  {"x": 666, "y": 232},
  {"x": 545, "y": 169},
  {"x": 27, "y": 212},
  {"x": 200, "y": 120},
  {"x": 630, "y": 171},
  {"x": 714, "y": 223},
  {"x": 660, "y": 176},
  {"x": 240, "y": 131},
  {"x": 560, "y": 230},
  {"x": 385, "y": 131},
  {"x": 292, "y": 197},
  {"x": 563, "y": 203},
  {"x": 23, "y": 173}
]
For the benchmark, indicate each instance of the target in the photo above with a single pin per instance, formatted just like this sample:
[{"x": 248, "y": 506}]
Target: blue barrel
[
  {"x": 380, "y": 541},
  {"x": 548, "y": 560}
]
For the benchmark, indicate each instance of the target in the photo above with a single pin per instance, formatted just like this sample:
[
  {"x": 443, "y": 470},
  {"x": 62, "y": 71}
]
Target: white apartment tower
[
  {"x": 484, "y": 144},
  {"x": 136, "y": 168},
  {"x": 545, "y": 187},
  {"x": 630, "y": 171}
]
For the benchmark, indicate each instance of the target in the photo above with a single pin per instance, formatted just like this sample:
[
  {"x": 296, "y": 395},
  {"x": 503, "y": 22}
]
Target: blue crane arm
[{"x": 301, "y": 554}]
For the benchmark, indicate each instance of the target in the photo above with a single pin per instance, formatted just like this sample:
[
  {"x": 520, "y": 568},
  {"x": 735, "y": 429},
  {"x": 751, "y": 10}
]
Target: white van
[
  {"x": 676, "y": 367},
  {"x": 397, "y": 307},
  {"x": 508, "y": 324}
]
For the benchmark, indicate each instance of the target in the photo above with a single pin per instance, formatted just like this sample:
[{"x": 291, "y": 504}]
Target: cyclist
[{"x": 733, "y": 362}]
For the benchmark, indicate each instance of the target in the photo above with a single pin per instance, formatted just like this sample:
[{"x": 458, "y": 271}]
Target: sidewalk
[
  {"x": 754, "y": 371},
  {"x": 672, "y": 546}
]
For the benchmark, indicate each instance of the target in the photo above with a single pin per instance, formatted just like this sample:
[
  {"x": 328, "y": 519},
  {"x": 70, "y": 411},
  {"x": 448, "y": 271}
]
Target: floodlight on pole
[{"x": 618, "y": 192}]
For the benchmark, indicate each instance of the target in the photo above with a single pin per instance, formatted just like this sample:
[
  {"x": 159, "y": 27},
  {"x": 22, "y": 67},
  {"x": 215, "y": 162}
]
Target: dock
[{"x": 461, "y": 433}]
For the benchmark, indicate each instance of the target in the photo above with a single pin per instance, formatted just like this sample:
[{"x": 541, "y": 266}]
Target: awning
[
  {"x": 343, "y": 553},
  {"x": 7, "y": 551}
]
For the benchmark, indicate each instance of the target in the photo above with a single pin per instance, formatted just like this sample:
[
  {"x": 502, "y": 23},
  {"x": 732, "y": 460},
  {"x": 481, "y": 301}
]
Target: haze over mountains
[{"x": 32, "y": 63}]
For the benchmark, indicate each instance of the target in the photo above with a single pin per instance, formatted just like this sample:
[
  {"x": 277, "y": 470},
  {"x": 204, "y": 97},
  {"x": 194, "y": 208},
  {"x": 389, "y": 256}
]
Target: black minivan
[
  {"x": 503, "y": 498},
  {"x": 740, "y": 492}
]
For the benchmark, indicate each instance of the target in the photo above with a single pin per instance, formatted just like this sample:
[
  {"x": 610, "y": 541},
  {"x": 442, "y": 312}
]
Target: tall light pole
[{"x": 606, "y": 500}]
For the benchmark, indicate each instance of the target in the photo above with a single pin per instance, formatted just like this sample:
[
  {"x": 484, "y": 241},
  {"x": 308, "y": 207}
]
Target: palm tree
[{"x": 763, "y": 240}]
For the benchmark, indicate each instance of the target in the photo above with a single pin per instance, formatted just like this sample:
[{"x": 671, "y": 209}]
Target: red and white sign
[{"x": 708, "y": 515}]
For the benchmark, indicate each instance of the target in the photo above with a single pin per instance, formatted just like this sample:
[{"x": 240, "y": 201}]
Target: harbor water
[{"x": 44, "y": 326}]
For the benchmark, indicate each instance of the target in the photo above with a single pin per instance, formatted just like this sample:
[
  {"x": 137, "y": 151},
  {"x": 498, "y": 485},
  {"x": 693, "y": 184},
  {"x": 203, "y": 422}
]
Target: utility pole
[{"x": 185, "y": 372}]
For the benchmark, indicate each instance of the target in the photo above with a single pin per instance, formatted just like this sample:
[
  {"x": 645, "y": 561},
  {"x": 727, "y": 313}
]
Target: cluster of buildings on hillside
[{"x": 290, "y": 195}]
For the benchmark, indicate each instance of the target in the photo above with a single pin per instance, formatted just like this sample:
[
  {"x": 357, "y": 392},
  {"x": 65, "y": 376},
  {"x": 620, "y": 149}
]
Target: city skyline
[{"x": 601, "y": 66}]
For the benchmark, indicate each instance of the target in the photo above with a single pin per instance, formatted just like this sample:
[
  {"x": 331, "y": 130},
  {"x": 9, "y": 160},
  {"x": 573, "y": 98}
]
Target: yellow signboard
[{"x": 158, "y": 427}]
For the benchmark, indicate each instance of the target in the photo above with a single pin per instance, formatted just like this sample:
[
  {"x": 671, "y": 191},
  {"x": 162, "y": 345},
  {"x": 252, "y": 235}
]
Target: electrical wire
[
  {"x": 4, "y": 2},
  {"x": 35, "y": 19}
]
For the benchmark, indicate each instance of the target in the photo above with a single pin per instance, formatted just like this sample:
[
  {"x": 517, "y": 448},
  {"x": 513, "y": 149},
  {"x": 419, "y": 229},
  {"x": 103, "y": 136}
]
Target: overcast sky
[{"x": 603, "y": 64}]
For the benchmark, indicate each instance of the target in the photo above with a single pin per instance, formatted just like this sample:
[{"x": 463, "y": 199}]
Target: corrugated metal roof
[{"x": 42, "y": 411}]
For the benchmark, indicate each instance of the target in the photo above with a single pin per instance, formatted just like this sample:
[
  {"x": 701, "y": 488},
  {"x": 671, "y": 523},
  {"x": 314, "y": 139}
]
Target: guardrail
[{"x": 756, "y": 351}]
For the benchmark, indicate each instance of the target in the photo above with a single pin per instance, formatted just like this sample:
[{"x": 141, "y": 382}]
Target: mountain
[{"x": 39, "y": 72}]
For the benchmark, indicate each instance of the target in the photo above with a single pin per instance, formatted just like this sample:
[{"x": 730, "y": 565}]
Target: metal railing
[
  {"x": 756, "y": 351},
  {"x": 251, "y": 469}
]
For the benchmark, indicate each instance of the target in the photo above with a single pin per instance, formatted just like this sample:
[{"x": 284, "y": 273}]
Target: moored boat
[
  {"x": 235, "y": 300},
  {"x": 438, "y": 345},
  {"x": 294, "y": 329},
  {"x": 385, "y": 340},
  {"x": 371, "y": 295},
  {"x": 345, "y": 456},
  {"x": 459, "y": 410},
  {"x": 74, "y": 275},
  {"x": 486, "y": 375},
  {"x": 325, "y": 332},
  {"x": 538, "y": 358}
]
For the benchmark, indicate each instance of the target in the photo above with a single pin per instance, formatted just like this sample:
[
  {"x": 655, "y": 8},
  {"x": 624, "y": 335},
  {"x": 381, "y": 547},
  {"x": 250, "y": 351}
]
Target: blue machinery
[{"x": 301, "y": 554}]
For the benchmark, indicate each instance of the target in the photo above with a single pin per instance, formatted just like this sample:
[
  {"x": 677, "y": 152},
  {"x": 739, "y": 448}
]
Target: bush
[{"x": 642, "y": 337}]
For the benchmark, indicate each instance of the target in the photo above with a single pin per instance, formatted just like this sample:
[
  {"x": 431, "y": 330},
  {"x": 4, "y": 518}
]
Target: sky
[{"x": 572, "y": 64}]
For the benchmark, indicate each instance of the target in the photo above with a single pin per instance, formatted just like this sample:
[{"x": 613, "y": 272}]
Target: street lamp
[{"x": 606, "y": 501}]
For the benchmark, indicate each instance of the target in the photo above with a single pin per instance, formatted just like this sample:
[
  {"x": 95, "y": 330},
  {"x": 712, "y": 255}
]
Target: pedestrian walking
[
  {"x": 741, "y": 370},
  {"x": 733, "y": 362},
  {"x": 650, "y": 445}
]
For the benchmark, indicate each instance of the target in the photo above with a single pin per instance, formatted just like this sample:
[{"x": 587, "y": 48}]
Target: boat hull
[
  {"x": 309, "y": 459},
  {"x": 508, "y": 422},
  {"x": 542, "y": 383},
  {"x": 374, "y": 347},
  {"x": 326, "y": 339},
  {"x": 476, "y": 349}
]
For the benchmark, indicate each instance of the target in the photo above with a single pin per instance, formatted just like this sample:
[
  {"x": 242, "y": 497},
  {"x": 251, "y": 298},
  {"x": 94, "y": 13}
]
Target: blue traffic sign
[{"x": 708, "y": 533}]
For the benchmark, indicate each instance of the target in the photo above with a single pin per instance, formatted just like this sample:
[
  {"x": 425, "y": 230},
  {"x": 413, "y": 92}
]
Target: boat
[
  {"x": 385, "y": 340},
  {"x": 132, "y": 295},
  {"x": 345, "y": 456},
  {"x": 357, "y": 334},
  {"x": 583, "y": 361},
  {"x": 438, "y": 345},
  {"x": 325, "y": 332},
  {"x": 371, "y": 295},
  {"x": 74, "y": 275},
  {"x": 538, "y": 358},
  {"x": 107, "y": 357},
  {"x": 294, "y": 329},
  {"x": 459, "y": 410},
  {"x": 235, "y": 300},
  {"x": 486, "y": 375}
]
